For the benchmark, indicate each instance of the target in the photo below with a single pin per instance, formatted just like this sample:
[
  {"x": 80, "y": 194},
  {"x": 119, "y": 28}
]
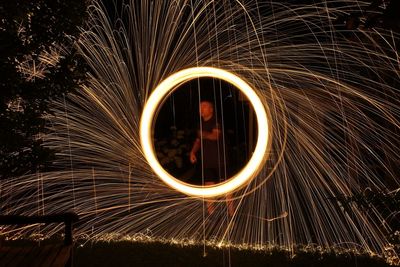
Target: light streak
[
  {"x": 333, "y": 109},
  {"x": 147, "y": 121}
]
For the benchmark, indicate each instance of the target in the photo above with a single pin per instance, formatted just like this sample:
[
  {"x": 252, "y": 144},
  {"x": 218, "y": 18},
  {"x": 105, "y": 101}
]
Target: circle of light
[{"x": 168, "y": 86}]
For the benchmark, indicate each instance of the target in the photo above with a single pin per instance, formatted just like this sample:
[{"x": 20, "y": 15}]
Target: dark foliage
[
  {"x": 379, "y": 14},
  {"x": 173, "y": 151},
  {"x": 29, "y": 30},
  {"x": 387, "y": 204}
]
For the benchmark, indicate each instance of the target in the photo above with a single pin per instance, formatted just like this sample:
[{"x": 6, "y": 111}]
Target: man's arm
[
  {"x": 213, "y": 135},
  {"x": 195, "y": 148}
]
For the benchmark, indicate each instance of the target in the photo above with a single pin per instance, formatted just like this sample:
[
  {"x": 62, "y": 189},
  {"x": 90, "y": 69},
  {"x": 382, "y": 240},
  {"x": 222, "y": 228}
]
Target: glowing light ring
[{"x": 168, "y": 86}]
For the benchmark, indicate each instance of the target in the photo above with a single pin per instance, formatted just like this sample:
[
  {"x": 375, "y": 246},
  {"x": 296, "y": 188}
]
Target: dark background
[{"x": 178, "y": 120}]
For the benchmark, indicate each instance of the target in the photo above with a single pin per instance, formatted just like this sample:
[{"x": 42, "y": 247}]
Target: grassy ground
[
  {"x": 157, "y": 254},
  {"x": 127, "y": 253}
]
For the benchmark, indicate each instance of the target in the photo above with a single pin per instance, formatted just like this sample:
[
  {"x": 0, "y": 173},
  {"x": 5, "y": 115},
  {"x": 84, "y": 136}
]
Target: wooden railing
[{"x": 48, "y": 256}]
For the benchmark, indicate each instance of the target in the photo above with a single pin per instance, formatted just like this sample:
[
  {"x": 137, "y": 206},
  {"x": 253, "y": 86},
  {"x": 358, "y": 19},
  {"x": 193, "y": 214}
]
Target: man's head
[{"x": 206, "y": 110}]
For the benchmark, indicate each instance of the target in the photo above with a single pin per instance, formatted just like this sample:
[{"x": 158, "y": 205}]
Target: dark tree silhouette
[{"x": 29, "y": 32}]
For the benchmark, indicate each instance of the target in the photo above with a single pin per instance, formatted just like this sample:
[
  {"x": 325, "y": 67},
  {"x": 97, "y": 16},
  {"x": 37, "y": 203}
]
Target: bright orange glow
[{"x": 168, "y": 86}]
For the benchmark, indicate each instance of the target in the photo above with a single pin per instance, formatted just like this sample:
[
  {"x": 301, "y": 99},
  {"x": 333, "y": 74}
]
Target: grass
[
  {"x": 129, "y": 253},
  {"x": 126, "y": 253}
]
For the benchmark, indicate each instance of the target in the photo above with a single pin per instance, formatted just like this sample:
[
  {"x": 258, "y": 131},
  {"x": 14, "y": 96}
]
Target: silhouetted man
[{"x": 210, "y": 142}]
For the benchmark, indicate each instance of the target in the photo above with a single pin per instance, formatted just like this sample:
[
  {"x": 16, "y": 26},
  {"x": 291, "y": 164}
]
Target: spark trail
[{"x": 330, "y": 92}]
